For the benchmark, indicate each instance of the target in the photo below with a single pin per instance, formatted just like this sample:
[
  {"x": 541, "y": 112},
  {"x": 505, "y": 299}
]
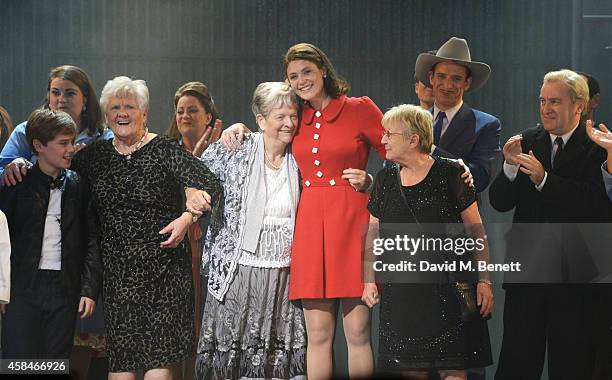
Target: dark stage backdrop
[{"x": 233, "y": 45}]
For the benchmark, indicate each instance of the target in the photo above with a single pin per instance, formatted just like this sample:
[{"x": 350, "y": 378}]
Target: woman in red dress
[{"x": 331, "y": 148}]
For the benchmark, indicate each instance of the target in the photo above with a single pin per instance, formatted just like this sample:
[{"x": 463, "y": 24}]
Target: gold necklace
[
  {"x": 269, "y": 161},
  {"x": 138, "y": 146}
]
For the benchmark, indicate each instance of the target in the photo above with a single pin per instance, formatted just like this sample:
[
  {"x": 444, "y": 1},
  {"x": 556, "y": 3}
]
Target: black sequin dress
[
  {"x": 420, "y": 324},
  {"x": 148, "y": 291}
]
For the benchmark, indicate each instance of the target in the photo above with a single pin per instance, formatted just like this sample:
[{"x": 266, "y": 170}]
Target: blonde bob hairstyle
[
  {"x": 271, "y": 95},
  {"x": 415, "y": 120},
  {"x": 578, "y": 86},
  {"x": 123, "y": 87}
]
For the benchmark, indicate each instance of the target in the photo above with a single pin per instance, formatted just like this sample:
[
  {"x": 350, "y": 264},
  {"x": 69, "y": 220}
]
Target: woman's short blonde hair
[
  {"x": 122, "y": 87},
  {"x": 414, "y": 120}
]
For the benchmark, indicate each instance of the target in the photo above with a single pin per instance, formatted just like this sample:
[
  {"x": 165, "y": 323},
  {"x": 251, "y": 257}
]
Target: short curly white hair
[
  {"x": 269, "y": 95},
  {"x": 123, "y": 87}
]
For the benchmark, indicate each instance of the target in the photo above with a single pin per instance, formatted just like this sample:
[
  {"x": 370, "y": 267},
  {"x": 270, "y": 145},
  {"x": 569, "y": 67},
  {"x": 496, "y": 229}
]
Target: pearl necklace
[
  {"x": 138, "y": 146},
  {"x": 269, "y": 161}
]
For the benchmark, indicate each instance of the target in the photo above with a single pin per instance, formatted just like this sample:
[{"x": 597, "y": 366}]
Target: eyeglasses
[{"x": 388, "y": 134}]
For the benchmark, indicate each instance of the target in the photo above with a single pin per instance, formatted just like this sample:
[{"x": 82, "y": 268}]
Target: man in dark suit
[
  {"x": 460, "y": 131},
  {"x": 551, "y": 177}
]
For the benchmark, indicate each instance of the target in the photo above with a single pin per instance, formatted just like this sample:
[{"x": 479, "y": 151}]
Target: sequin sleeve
[
  {"x": 461, "y": 194},
  {"x": 379, "y": 193}
]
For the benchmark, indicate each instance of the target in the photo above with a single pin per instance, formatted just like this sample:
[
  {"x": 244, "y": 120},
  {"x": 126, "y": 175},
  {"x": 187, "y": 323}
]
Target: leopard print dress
[{"x": 148, "y": 290}]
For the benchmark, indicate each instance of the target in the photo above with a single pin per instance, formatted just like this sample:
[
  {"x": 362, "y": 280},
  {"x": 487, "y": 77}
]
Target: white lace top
[{"x": 274, "y": 248}]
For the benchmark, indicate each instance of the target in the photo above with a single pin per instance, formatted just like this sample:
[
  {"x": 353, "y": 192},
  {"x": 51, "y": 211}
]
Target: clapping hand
[
  {"x": 512, "y": 148},
  {"x": 532, "y": 167},
  {"x": 600, "y": 136},
  {"x": 211, "y": 135}
]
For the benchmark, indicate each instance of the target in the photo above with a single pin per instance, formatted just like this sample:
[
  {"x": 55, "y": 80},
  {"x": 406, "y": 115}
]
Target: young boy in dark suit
[{"x": 55, "y": 262}]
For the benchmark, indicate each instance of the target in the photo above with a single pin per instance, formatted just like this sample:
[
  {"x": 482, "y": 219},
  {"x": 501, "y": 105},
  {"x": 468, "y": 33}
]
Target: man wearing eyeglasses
[{"x": 460, "y": 131}]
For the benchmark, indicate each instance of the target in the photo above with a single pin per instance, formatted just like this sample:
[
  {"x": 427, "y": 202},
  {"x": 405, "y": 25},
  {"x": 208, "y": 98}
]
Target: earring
[{"x": 84, "y": 108}]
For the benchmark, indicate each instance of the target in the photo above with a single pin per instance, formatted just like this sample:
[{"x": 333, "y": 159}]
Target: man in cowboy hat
[{"x": 459, "y": 130}]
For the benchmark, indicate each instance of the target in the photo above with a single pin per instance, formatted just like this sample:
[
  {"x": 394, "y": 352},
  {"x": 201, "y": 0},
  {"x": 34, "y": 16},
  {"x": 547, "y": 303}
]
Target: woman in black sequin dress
[{"x": 421, "y": 324}]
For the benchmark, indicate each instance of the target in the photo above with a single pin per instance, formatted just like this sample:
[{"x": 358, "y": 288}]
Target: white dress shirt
[
  {"x": 5, "y": 261},
  {"x": 51, "y": 254},
  {"x": 450, "y": 114}
]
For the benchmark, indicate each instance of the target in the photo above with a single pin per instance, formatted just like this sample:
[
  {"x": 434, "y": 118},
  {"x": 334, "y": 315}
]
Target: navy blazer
[{"x": 474, "y": 137}]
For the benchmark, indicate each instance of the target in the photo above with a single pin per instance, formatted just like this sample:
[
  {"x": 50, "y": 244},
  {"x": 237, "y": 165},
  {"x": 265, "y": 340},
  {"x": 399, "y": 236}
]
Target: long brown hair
[
  {"x": 199, "y": 91},
  {"x": 334, "y": 85},
  {"x": 6, "y": 126},
  {"x": 91, "y": 117}
]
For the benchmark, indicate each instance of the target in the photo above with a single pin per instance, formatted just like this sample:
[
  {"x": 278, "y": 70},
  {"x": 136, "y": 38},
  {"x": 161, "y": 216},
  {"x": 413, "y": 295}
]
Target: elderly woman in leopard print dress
[
  {"x": 147, "y": 268},
  {"x": 250, "y": 329}
]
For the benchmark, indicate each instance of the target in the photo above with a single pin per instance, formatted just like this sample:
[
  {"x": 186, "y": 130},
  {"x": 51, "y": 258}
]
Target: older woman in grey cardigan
[{"x": 249, "y": 327}]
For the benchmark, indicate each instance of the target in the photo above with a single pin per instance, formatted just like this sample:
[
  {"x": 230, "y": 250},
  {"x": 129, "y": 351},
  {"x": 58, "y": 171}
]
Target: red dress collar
[{"x": 329, "y": 113}]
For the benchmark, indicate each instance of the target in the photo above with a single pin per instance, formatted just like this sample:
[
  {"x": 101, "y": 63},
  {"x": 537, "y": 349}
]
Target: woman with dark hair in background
[
  {"x": 196, "y": 124},
  {"x": 6, "y": 126},
  {"x": 331, "y": 148},
  {"x": 69, "y": 89}
]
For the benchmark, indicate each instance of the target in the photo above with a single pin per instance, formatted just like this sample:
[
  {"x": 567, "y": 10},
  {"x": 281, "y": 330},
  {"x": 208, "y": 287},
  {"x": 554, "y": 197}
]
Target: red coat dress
[{"x": 327, "y": 244}]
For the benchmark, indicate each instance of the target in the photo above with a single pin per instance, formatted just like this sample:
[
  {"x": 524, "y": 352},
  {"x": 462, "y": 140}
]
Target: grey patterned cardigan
[{"x": 241, "y": 172}]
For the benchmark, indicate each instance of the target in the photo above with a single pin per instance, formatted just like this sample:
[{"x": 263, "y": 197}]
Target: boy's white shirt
[
  {"x": 5, "y": 261},
  {"x": 51, "y": 252}
]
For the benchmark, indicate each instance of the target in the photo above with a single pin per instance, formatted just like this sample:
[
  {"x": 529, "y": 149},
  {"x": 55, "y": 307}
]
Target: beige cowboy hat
[{"x": 454, "y": 50}]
